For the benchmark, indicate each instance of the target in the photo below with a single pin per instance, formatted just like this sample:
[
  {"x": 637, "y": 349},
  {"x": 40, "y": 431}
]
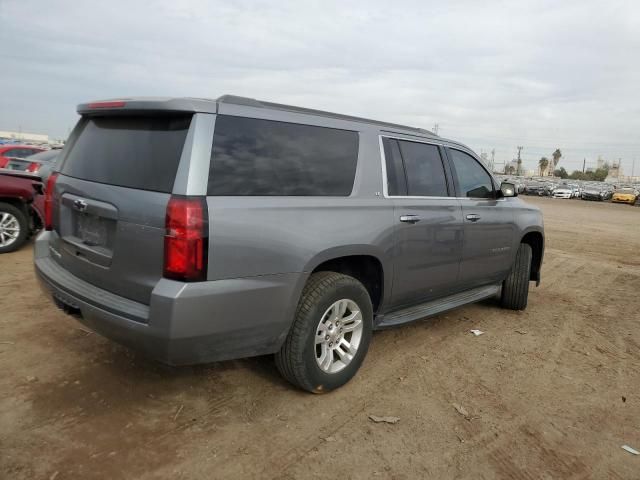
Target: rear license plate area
[
  {"x": 90, "y": 238},
  {"x": 92, "y": 230}
]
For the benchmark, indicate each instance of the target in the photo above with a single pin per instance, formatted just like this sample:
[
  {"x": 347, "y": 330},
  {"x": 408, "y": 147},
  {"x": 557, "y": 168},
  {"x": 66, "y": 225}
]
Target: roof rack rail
[{"x": 251, "y": 102}]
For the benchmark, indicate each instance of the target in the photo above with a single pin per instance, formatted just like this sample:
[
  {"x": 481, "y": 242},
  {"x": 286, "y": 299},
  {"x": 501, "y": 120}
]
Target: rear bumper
[
  {"x": 628, "y": 200},
  {"x": 185, "y": 323}
]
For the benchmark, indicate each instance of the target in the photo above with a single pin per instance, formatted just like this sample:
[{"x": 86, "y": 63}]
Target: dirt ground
[{"x": 551, "y": 392}]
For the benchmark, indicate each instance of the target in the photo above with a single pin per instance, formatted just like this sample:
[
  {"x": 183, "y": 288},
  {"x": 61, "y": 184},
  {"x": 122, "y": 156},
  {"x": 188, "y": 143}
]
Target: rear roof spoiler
[{"x": 147, "y": 104}]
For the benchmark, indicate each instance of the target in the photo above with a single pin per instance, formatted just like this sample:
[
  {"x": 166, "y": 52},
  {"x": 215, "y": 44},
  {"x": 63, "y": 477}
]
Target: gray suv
[{"x": 202, "y": 230}]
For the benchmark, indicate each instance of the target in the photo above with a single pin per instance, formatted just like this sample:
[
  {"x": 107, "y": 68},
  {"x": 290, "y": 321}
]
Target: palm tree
[
  {"x": 556, "y": 158},
  {"x": 543, "y": 163}
]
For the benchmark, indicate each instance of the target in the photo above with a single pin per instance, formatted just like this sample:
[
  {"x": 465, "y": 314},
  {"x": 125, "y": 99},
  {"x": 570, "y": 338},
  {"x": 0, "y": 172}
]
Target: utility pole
[
  {"x": 584, "y": 163},
  {"x": 436, "y": 127},
  {"x": 519, "y": 172},
  {"x": 493, "y": 158}
]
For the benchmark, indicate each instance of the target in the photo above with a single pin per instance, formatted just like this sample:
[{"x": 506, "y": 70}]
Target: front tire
[
  {"x": 14, "y": 228},
  {"x": 330, "y": 334},
  {"x": 515, "y": 289}
]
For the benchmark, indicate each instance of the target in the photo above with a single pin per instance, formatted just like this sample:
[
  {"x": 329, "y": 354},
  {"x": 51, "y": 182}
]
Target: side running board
[{"x": 434, "y": 307}]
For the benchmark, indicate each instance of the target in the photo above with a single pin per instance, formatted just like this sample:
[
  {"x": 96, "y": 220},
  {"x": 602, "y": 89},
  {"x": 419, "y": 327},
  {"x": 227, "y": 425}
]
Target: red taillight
[
  {"x": 3, "y": 162},
  {"x": 113, "y": 104},
  {"x": 33, "y": 167},
  {"x": 48, "y": 201},
  {"x": 186, "y": 239}
]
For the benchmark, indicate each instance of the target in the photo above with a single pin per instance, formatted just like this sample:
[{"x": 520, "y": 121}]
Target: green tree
[
  {"x": 543, "y": 163},
  {"x": 601, "y": 173},
  {"x": 509, "y": 169},
  {"x": 561, "y": 172}
]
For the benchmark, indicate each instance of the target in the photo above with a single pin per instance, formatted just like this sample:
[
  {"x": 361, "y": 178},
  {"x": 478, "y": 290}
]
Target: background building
[
  {"x": 24, "y": 136},
  {"x": 615, "y": 173}
]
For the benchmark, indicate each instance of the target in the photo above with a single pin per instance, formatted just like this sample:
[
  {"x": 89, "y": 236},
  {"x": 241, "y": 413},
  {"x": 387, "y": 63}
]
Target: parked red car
[
  {"x": 16, "y": 151},
  {"x": 21, "y": 208},
  {"x": 39, "y": 163}
]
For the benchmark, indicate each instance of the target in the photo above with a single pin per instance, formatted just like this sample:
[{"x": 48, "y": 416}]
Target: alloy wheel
[
  {"x": 9, "y": 229},
  {"x": 338, "y": 335}
]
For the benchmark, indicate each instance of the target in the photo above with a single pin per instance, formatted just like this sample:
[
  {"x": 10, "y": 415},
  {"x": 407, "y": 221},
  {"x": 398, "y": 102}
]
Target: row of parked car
[
  {"x": 597, "y": 191},
  {"x": 24, "y": 170}
]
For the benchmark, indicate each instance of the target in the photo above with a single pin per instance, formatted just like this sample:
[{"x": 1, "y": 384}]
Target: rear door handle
[
  {"x": 409, "y": 218},
  {"x": 473, "y": 217}
]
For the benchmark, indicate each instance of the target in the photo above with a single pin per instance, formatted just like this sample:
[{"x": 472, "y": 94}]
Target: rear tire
[
  {"x": 330, "y": 302},
  {"x": 515, "y": 289},
  {"x": 14, "y": 228}
]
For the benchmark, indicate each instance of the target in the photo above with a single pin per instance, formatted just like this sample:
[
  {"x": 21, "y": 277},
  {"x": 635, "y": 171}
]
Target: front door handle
[
  {"x": 473, "y": 217},
  {"x": 409, "y": 218}
]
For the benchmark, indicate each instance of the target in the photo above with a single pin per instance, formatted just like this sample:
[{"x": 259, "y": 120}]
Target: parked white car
[{"x": 563, "y": 191}]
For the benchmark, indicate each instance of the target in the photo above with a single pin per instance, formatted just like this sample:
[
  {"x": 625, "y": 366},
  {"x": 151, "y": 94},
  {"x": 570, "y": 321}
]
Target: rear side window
[
  {"x": 414, "y": 169},
  {"x": 396, "y": 179},
  {"x": 425, "y": 172},
  {"x": 263, "y": 157},
  {"x": 473, "y": 180},
  {"x": 135, "y": 152}
]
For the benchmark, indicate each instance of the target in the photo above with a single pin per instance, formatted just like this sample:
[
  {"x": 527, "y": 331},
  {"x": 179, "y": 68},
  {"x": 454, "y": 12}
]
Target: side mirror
[{"x": 508, "y": 189}]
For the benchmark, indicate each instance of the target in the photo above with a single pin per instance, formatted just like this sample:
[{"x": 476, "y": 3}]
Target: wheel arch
[
  {"x": 363, "y": 262},
  {"x": 27, "y": 208},
  {"x": 15, "y": 201},
  {"x": 535, "y": 239}
]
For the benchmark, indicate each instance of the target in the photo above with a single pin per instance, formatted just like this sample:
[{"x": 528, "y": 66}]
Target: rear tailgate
[{"x": 111, "y": 196}]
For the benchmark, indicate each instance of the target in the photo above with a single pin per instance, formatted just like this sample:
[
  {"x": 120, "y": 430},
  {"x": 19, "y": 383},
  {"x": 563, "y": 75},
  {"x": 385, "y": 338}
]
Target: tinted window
[
  {"x": 425, "y": 172},
  {"x": 48, "y": 156},
  {"x": 21, "y": 152},
  {"x": 14, "y": 153},
  {"x": 135, "y": 152},
  {"x": 396, "y": 180},
  {"x": 263, "y": 157},
  {"x": 473, "y": 180}
]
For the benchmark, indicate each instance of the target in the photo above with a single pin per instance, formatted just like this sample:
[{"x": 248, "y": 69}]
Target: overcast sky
[{"x": 541, "y": 74}]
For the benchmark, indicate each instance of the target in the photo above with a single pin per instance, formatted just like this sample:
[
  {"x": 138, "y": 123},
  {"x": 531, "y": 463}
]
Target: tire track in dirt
[{"x": 386, "y": 365}]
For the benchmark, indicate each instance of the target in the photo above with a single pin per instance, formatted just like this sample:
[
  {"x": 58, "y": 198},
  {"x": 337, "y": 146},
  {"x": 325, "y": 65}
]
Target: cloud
[{"x": 491, "y": 74}]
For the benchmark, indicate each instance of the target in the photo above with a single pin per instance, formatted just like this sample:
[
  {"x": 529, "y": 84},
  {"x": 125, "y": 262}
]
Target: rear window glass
[
  {"x": 48, "y": 156},
  {"x": 263, "y": 157},
  {"x": 134, "y": 152}
]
